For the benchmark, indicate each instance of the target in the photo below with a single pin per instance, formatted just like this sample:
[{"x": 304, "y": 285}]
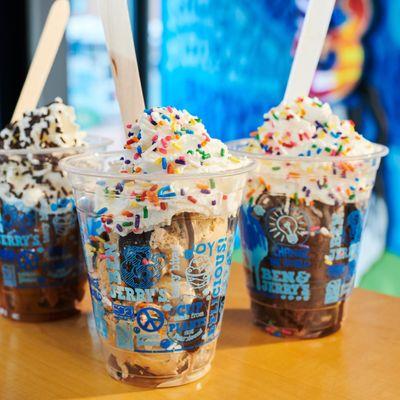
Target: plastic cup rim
[
  {"x": 94, "y": 142},
  {"x": 66, "y": 164},
  {"x": 380, "y": 151}
]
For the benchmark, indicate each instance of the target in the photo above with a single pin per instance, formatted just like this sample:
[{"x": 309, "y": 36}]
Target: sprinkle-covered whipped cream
[
  {"x": 46, "y": 127},
  {"x": 169, "y": 141},
  {"x": 34, "y": 179},
  {"x": 308, "y": 127},
  {"x": 174, "y": 141}
]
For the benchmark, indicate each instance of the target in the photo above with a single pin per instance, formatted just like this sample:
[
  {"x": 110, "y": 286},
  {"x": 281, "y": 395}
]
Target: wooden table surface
[{"x": 62, "y": 360}]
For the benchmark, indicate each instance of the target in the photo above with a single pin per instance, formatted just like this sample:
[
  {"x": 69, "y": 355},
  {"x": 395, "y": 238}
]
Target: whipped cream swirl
[
  {"x": 307, "y": 129},
  {"x": 46, "y": 127},
  {"x": 33, "y": 179},
  {"x": 167, "y": 141},
  {"x": 174, "y": 141}
]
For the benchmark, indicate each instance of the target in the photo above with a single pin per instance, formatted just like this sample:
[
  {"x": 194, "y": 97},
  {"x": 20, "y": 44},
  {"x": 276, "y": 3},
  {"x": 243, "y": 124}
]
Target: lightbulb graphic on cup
[{"x": 289, "y": 228}]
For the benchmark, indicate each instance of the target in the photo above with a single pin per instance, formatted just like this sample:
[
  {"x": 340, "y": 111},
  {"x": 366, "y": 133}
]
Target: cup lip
[
  {"x": 93, "y": 143},
  {"x": 67, "y": 165},
  {"x": 380, "y": 151}
]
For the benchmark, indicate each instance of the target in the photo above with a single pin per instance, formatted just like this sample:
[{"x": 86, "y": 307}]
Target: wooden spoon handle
[
  {"x": 43, "y": 59},
  {"x": 121, "y": 49}
]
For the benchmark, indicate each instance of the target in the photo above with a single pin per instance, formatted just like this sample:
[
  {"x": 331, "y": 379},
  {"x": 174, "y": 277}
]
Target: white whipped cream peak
[
  {"x": 307, "y": 127},
  {"x": 34, "y": 179},
  {"x": 174, "y": 141},
  {"x": 45, "y": 127}
]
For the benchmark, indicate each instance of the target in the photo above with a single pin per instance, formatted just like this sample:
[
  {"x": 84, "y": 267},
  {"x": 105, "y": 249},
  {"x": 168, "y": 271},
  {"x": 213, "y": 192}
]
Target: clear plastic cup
[
  {"x": 301, "y": 225},
  {"x": 158, "y": 258},
  {"x": 41, "y": 261}
]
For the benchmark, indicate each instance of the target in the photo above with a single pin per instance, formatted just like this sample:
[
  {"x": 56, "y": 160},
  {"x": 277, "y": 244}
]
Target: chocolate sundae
[
  {"x": 42, "y": 274},
  {"x": 158, "y": 223},
  {"x": 303, "y": 217}
]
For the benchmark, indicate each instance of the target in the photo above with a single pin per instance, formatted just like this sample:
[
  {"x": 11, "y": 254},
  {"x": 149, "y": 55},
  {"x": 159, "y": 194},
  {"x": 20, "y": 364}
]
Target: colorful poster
[{"x": 229, "y": 64}]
